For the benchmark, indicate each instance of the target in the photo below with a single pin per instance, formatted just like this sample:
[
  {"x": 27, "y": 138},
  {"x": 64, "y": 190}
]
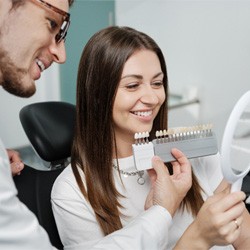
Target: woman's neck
[{"x": 123, "y": 148}]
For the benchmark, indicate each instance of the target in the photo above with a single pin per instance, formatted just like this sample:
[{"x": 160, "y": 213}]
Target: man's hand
[
  {"x": 15, "y": 162},
  {"x": 169, "y": 190}
]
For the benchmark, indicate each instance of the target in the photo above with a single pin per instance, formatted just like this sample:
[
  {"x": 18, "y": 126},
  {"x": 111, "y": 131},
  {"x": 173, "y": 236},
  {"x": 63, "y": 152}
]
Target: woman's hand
[
  {"x": 16, "y": 163},
  {"x": 169, "y": 190},
  {"x": 218, "y": 222},
  {"x": 220, "y": 218}
]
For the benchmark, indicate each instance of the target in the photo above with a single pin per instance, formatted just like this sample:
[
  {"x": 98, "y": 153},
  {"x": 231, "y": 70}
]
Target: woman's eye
[
  {"x": 132, "y": 86},
  {"x": 157, "y": 83}
]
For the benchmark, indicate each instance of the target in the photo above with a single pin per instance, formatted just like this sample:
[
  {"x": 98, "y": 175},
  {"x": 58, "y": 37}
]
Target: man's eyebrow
[{"x": 140, "y": 76}]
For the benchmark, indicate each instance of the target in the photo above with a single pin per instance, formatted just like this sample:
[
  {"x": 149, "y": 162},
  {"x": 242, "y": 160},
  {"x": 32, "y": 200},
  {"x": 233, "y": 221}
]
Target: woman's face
[{"x": 139, "y": 96}]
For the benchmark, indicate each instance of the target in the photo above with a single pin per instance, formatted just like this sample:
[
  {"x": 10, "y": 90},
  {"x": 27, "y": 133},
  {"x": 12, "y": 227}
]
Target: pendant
[{"x": 140, "y": 179}]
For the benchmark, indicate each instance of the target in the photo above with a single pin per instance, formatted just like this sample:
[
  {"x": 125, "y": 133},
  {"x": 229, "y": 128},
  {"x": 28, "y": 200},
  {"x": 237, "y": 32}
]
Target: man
[{"x": 32, "y": 34}]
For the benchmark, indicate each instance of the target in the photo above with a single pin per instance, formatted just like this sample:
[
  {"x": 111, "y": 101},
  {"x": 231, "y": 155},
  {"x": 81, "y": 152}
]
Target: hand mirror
[{"x": 235, "y": 147}]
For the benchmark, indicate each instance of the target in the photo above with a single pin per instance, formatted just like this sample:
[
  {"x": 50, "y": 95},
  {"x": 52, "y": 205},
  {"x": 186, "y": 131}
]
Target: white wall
[
  {"x": 206, "y": 44},
  {"x": 11, "y": 131}
]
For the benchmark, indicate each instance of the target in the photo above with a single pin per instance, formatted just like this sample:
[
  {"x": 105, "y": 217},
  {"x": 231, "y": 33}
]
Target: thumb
[{"x": 152, "y": 175}]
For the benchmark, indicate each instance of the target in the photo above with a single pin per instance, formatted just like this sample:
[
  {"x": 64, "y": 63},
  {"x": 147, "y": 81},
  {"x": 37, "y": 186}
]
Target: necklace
[{"x": 140, "y": 174}]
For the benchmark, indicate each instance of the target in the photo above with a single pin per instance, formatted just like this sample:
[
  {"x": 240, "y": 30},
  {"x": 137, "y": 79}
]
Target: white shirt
[
  {"x": 19, "y": 228},
  {"x": 76, "y": 220}
]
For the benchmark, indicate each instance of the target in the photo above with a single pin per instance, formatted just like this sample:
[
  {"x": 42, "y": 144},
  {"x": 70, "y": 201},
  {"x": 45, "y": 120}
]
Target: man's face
[{"x": 28, "y": 45}]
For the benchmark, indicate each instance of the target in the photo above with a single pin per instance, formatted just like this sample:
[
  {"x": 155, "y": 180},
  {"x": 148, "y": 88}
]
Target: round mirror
[{"x": 235, "y": 147}]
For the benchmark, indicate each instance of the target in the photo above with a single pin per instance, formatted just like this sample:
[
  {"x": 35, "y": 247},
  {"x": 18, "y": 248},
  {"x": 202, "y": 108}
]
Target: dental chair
[{"x": 49, "y": 127}]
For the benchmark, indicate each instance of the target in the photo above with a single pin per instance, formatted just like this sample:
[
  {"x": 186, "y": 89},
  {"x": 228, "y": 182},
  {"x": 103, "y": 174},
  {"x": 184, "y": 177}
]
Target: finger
[
  {"x": 21, "y": 165},
  {"x": 236, "y": 212},
  {"x": 237, "y": 222},
  {"x": 176, "y": 168},
  {"x": 159, "y": 167},
  {"x": 14, "y": 156},
  {"x": 233, "y": 228},
  {"x": 179, "y": 156},
  {"x": 223, "y": 202},
  {"x": 231, "y": 231},
  {"x": 16, "y": 167},
  {"x": 182, "y": 163}
]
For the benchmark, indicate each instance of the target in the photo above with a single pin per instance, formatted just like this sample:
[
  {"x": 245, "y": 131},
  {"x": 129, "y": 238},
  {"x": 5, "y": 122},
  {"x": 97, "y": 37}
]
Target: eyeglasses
[{"x": 61, "y": 35}]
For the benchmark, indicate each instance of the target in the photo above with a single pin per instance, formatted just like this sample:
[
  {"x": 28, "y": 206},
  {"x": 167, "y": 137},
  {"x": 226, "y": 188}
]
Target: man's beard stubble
[{"x": 12, "y": 79}]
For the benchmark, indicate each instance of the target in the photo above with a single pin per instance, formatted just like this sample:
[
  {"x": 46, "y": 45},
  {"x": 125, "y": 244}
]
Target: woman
[{"x": 121, "y": 90}]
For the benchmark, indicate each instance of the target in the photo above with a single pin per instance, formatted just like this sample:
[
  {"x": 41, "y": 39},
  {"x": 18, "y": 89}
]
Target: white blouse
[{"x": 76, "y": 220}]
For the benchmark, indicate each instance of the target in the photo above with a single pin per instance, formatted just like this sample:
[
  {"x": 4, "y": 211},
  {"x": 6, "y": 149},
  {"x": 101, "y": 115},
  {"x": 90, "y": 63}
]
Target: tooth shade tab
[
  {"x": 182, "y": 133},
  {"x": 141, "y": 137}
]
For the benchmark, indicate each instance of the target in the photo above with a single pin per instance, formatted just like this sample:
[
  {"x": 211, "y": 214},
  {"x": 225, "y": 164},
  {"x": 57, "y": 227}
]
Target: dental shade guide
[{"x": 195, "y": 141}]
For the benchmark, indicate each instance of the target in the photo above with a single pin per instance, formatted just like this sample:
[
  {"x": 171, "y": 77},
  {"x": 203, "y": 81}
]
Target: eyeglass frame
[{"x": 61, "y": 35}]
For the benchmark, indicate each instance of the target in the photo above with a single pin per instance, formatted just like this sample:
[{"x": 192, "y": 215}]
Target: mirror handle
[{"x": 236, "y": 186}]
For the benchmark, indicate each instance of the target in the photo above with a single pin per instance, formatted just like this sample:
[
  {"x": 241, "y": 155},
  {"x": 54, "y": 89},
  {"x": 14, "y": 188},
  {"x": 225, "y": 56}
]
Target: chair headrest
[{"x": 49, "y": 127}]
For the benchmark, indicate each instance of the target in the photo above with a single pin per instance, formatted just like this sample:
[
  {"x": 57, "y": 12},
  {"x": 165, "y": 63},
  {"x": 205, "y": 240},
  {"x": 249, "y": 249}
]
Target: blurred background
[{"x": 206, "y": 45}]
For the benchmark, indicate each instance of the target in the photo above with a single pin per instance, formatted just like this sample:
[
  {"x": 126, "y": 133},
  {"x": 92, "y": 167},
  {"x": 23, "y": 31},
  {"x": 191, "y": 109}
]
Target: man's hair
[{"x": 17, "y": 3}]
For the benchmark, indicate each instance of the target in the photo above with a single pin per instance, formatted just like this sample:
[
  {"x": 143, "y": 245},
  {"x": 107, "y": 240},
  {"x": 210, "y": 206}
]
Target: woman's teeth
[{"x": 144, "y": 114}]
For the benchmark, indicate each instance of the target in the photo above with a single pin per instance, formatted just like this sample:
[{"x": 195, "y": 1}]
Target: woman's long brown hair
[{"x": 99, "y": 74}]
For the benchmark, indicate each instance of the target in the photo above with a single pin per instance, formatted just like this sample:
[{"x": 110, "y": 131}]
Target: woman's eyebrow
[
  {"x": 140, "y": 76},
  {"x": 133, "y": 76},
  {"x": 158, "y": 74}
]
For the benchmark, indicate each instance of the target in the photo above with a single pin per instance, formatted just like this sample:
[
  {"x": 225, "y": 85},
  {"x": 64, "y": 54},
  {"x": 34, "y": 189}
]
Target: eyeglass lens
[{"x": 61, "y": 35}]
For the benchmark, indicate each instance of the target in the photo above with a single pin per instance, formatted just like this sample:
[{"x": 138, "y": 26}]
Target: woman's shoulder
[
  {"x": 65, "y": 183},
  {"x": 66, "y": 175}
]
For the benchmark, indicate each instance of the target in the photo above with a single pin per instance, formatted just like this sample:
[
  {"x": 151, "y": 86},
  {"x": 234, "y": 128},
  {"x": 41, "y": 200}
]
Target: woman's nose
[{"x": 149, "y": 96}]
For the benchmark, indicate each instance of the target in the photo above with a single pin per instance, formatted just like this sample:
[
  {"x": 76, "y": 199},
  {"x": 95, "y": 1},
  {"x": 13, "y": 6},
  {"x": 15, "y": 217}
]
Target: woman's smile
[{"x": 143, "y": 115}]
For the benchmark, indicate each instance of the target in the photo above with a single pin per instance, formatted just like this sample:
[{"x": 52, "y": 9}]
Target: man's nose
[{"x": 58, "y": 51}]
